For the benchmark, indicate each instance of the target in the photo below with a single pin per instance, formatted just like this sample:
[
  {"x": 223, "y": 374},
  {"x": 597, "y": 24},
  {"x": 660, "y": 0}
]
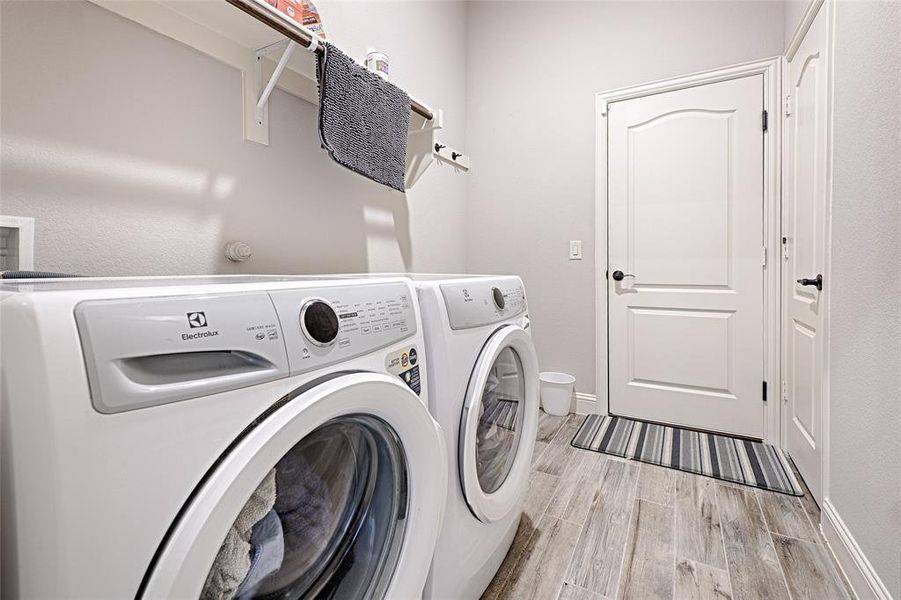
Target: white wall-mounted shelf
[
  {"x": 227, "y": 34},
  {"x": 257, "y": 39}
]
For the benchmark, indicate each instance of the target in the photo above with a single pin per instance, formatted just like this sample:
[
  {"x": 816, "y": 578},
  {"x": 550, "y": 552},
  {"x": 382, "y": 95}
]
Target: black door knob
[
  {"x": 619, "y": 275},
  {"x": 816, "y": 281}
]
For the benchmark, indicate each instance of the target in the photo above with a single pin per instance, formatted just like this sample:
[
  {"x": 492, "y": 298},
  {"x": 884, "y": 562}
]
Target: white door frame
[{"x": 771, "y": 69}]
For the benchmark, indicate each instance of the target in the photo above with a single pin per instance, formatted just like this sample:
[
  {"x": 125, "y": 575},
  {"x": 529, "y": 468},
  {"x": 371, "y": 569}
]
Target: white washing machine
[
  {"x": 483, "y": 390},
  {"x": 216, "y": 437}
]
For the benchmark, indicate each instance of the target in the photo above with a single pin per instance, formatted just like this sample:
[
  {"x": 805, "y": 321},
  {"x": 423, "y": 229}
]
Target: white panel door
[
  {"x": 804, "y": 227},
  {"x": 685, "y": 227}
]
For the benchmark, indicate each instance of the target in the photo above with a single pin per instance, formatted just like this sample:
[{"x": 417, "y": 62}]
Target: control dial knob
[
  {"x": 319, "y": 322},
  {"x": 499, "y": 300}
]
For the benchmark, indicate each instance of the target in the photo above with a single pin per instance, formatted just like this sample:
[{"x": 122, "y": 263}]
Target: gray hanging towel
[{"x": 363, "y": 118}]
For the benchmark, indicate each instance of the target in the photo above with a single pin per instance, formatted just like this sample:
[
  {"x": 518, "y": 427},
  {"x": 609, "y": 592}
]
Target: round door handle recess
[
  {"x": 816, "y": 281},
  {"x": 619, "y": 275}
]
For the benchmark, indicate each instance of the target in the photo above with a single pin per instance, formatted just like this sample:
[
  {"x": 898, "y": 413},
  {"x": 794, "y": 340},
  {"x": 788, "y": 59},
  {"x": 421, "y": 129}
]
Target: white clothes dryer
[
  {"x": 228, "y": 437},
  {"x": 483, "y": 391}
]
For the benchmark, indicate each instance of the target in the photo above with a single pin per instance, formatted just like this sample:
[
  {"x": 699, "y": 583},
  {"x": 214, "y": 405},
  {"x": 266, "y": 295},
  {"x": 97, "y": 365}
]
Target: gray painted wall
[
  {"x": 794, "y": 11},
  {"x": 865, "y": 307},
  {"x": 127, "y": 148},
  {"x": 531, "y": 127}
]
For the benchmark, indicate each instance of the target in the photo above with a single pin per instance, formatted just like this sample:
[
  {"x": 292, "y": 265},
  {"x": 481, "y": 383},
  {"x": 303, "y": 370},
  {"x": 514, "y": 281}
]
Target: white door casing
[
  {"x": 495, "y": 505},
  {"x": 686, "y": 214},
  {"x": 188, "y": 552},
  {"x": 805, "y": 204}
]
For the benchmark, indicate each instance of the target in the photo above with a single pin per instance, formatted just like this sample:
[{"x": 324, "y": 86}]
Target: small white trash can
[{"x": 556, "y": 392}]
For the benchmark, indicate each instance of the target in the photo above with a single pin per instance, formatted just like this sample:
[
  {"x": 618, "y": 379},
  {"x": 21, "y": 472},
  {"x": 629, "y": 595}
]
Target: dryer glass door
[
  {"x": 500, "y": 420},
  {"x": 499, "y": 424},
  {"x": 337, "y": 493}
]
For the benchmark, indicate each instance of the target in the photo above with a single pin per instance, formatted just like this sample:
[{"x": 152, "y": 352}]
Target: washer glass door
[
  {"x": 323, "y": 522},
  {"x": 336, "y": 491},
  {"x": 499, "y": 424}
]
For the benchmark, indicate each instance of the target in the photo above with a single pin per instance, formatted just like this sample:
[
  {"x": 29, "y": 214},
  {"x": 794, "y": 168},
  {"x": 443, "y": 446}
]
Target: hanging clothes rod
[{"x": 286, "y": 26}]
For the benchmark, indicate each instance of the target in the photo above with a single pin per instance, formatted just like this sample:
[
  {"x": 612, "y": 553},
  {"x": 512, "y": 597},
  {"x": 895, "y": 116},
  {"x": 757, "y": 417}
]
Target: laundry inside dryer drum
[
  {"x": 500, "y": 421},
  {"x": 326, "y": 522}
]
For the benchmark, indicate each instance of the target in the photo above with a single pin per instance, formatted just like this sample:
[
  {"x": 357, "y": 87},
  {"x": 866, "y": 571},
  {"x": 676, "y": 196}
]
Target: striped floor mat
[{"x": 719, "y": 456}]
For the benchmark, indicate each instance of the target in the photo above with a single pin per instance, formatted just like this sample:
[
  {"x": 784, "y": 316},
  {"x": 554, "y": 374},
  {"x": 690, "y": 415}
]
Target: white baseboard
[
  {"x": 860, "y": 573},
  {"x": 586, "y": 404}
]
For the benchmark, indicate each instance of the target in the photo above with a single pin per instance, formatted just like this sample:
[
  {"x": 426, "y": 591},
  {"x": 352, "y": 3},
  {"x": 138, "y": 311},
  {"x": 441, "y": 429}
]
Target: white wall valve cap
[{"x": 237, "y": 251}]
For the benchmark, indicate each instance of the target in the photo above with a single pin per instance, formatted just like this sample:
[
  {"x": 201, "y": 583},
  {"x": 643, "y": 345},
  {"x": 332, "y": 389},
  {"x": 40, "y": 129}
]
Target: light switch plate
[{"x": 575, "y": 250}]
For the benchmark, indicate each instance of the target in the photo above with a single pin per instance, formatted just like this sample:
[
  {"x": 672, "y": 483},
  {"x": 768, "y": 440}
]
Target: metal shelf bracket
[
  {"x": 258, "y": 90},
  {"x": 279, "y": 68}
]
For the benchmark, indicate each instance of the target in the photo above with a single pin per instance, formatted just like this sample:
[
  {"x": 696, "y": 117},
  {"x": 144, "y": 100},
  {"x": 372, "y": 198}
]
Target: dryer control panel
[{"x": 479, "y": 302}]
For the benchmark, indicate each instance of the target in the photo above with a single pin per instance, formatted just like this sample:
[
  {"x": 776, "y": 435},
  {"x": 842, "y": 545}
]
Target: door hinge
[
  {"x": 788, "y": 109},
  {"x": 764, "y": 118},
  {"x": 607, "y": 274},
  {"x": 785, "y": 391},
  {"x": 764, "y": 390},
  {"x": 763, "y": 260}
]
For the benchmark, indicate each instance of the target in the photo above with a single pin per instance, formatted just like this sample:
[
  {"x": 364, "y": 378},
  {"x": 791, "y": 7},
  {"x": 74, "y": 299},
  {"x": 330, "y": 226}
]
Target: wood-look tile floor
[{"x": 599, "y": 527}]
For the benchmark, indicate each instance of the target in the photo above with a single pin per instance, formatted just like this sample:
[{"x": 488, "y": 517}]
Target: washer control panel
[
  {"x": 143, "y": 352},
  {"x": 479, "y": 302},
  {"x": 328, "y": 325}
]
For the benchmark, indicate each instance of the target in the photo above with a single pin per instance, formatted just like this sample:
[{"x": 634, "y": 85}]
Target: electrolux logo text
[{"x": 195, "y": 321}]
